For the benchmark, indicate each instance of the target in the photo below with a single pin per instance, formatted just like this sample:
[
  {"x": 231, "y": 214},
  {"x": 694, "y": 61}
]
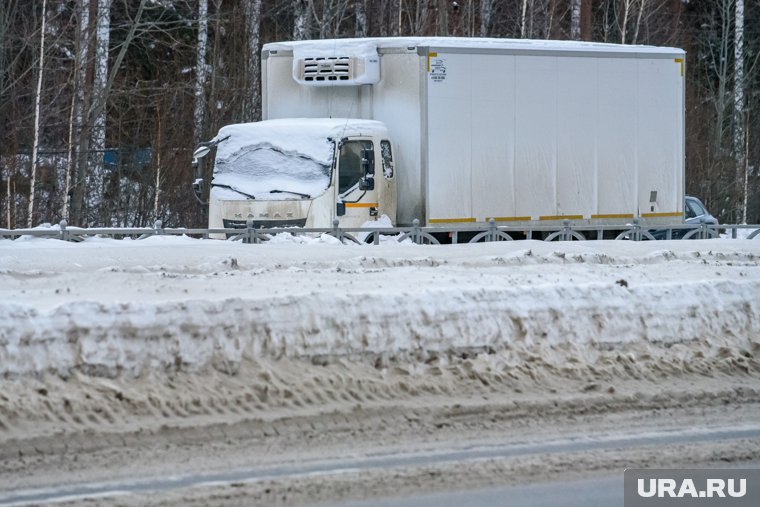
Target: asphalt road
[
  {"x": 597, "y": 492},
  {"x": 602, "y": 490}
]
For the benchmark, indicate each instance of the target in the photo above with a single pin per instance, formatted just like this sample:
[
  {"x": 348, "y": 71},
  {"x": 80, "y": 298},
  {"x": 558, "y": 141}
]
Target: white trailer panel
[
  {"x": 577, "y": 147},
  {"x": 536, "y": 136},
  {"x": 449, "y": 139},
  {"x": 659, "y": 119},
  {"x": 616, "y": 146},
  {"x": 493, "y": 112}
]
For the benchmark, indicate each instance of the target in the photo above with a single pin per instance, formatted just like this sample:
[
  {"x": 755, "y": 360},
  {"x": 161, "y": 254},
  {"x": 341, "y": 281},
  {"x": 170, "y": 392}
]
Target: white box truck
[{"x": 457, "y": 131}]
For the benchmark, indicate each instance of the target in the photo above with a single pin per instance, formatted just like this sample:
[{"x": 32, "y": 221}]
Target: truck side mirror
[
  {"x": 198, "y": 187},
  {"x": 368, "y": 161},
  {"x": 340, "y": 209},
  {"x": 367, "y": 183},
  {"x": 198, "y": 190},
  {"x": 202, "y": 150}
]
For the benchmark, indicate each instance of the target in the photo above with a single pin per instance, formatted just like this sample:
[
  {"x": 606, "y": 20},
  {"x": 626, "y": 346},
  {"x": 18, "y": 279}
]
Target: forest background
[{"x": 103, "y": 101}]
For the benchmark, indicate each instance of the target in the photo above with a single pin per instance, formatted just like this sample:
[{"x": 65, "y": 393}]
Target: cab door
[{"x": 357, "y": 193}]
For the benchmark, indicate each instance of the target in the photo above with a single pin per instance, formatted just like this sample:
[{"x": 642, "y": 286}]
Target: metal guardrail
[{"x": 415, "y": 233}]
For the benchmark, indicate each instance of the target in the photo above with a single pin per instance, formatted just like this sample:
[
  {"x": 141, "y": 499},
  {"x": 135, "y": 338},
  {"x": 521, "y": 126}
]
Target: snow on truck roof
[
  {"x": 366, "y": 46},
  {"x": 305, "y": 136}
]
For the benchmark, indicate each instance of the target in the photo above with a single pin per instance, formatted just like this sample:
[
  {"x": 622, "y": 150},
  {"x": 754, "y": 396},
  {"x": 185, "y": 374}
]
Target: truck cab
[{"x": 301, "y": 173}]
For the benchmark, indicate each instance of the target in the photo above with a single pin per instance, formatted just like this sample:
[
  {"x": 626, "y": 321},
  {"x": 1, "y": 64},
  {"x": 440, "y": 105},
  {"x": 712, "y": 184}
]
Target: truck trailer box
[{"x": 524, "y": 132}]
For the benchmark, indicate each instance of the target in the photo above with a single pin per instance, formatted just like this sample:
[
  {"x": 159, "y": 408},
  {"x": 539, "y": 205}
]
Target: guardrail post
[
  {"x": 158, "y": 229},
  {"x": 336, "y": 230},
  {"x": 566, "y": 230},
  {"x": 492, "y": 232},
  {"x": 64, "y": 232},
  {"x": 416, "y": 234},
  {"x": 636, "y": 234},
  {"x": 248, "y": 238},
  {"x": 734, "y": 232},
  {"x": 703, "y": 234}
]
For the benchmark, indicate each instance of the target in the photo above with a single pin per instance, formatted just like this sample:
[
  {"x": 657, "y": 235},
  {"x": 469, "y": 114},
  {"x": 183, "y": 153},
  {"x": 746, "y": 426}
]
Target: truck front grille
[{"x": 264, "y": 224}]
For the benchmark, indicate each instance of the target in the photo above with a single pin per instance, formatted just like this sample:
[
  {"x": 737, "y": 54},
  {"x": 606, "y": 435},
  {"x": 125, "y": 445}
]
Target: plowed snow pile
[{"x": 108, "y": 307}]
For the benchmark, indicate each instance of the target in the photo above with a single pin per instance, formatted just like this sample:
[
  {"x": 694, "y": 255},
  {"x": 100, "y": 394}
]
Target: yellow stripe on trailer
[
  {"x": 451, "y": 220},
  {"x": 656, "y": 215},
  {"x": 430, "y": 55},
  {"x": 561, "y": 217},
  {"x": 361, "y": 205},
  {"x": 680, "y": 60},
  {"x": 612, "y": 215},
  {"x": 508, "y": 219}
]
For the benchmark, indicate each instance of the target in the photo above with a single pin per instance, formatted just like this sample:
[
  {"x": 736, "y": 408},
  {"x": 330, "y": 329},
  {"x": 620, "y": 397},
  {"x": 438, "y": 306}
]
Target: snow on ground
[{"x": 109, "y": 307}]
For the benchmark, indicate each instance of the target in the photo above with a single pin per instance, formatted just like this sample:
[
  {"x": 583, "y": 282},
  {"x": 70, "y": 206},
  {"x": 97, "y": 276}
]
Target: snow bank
[
  {"x": 107, "y": 339},
  {"x": 110, "y": 307}
]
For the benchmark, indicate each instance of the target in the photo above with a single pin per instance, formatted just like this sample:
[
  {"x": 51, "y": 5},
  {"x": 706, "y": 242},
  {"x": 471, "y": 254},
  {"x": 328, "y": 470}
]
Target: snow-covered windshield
[
  {"x": 272, "y": 161},
  {"x": 283, "y": 158},
  {"x": 263, "y": 171}
]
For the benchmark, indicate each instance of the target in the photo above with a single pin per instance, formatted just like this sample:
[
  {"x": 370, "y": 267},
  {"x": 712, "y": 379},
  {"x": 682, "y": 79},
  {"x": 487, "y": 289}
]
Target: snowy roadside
[{"x": 126, "y": 307}]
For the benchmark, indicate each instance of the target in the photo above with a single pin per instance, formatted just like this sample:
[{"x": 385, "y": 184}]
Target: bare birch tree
[
  {"x": 360, "y": 11},
  {"x": 201, "y": 71},
  {"x": 575, "y": 20},
  {"x": 157, "y": 190},
  {"x": 253, "y": 61},
  {"x": 37, "y": 97},
  {"x": 626, "y": 7},
  {"x": 96, "y": 170},
  {"x": 69, "y": 160},
  {"x": 395, "y": 17},
  {"x": 486, "y": 17},
  {"x": 301, "y": 20},
  {"x": 742, "y": 173},
  {"x": 75, "y": 193},
  {"x": 102, "y": 39}
]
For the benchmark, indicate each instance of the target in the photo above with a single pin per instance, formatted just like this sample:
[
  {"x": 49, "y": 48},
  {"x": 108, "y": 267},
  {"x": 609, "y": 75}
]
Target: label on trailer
[{"x": 436, "y": 68}]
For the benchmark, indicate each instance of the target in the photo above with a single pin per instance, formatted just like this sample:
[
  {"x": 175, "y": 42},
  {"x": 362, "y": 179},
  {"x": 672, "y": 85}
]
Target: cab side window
[
  {"x": 350, "y": 164},
  {"x": 387, "y": 154}
]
